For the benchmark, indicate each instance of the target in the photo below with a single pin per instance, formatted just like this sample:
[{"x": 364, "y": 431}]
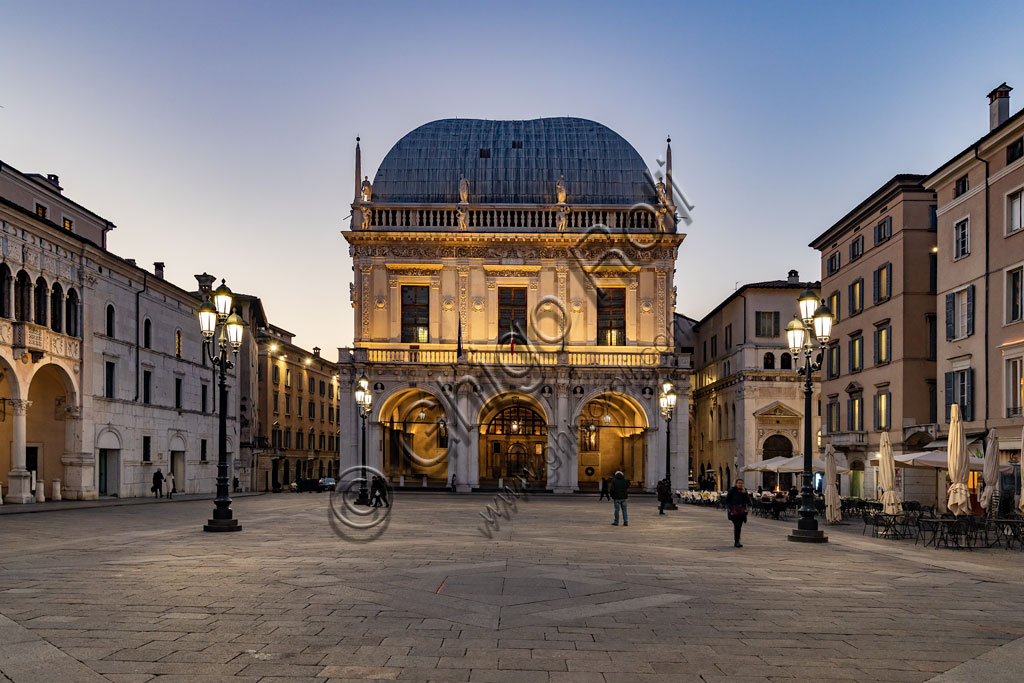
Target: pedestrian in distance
[
  {"x": 664, "y": 496},
  {"x": 158, "y": 483},
  {"x": 604, "y": 490},
  {"x": 736, "y": 502},
  {"x": 375, "y": 491},
  {"x": 169, "y": 483},
  {"x": 453, "y": 483},
  {"x": 619, "y": 491}
]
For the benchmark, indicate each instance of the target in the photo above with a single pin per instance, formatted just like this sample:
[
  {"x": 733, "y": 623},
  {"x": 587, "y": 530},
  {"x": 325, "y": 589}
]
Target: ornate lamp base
[
  {"x": 808, "y": 536},
  {"x": 222, "y": 525}
]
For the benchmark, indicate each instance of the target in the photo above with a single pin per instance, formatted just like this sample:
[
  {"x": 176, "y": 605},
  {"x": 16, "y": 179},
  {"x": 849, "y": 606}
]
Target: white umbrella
[
  {"x": 887, "y": 477},
  {"x": 991, "y": 471},
  {"x": 796, "y": 464},
  {"x": 1020, "y": 505},
  {"x": 833, "y": 506},
  {"x": 765, "y": 465},
  {"x": 958, "y": 498}
]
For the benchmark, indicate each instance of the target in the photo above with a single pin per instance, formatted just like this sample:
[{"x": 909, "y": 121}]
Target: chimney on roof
[
  {"x": 55, "y": 181},
  {"x": 998, "y": 106},
  {"x": 205, "y": 284},
  {"x": 158, "y": 269},
  {"x": 130, "y": 261},
  {"x": 794, "y": 277},
  {"x": 316, "y": 351}
]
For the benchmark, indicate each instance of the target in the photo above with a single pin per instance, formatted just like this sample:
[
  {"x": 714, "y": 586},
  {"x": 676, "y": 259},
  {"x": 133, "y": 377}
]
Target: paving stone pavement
[{"x": 139, "y": 593}]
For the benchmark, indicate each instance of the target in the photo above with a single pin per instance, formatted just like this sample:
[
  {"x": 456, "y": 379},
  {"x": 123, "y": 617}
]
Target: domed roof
[{"x": 511, "y": 162}]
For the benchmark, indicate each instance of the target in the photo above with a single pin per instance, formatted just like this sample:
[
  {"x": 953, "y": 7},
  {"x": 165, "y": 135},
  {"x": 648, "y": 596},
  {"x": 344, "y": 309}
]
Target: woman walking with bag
[{"x": 736, "y": 502}]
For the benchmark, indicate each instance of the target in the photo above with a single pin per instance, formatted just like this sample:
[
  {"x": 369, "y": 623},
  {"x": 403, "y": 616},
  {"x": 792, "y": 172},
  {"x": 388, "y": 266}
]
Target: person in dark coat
[
  {"x": 453, "y": 483},
  {"x": 604, "y": 490},
  {"x": 736, "y": 502},
  {"x": 619, "y": 491},
  {"x": 664, "y": 496},
  {"x": 158, "y": 483}
]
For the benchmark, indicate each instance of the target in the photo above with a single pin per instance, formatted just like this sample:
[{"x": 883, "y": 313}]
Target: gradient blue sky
[{"x": 219, "y": 136}]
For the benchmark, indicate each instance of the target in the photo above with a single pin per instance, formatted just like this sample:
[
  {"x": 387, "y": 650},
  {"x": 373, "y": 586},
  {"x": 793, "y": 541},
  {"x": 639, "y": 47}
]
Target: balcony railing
[
  {"x": 849, "y": 439},
  {"x": 513, "y": 217},
  {"x": 38, "y": 339},
  {"x": 1014, "y": 411},
  {"x": 627, "y": 357}
]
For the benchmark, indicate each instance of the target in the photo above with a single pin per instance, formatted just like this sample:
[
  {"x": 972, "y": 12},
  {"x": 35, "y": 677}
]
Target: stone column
[
  {"x": 563, "y": 460},
  {"x": 681, "y": 438},
  {"x": 458, "y": 430},
  {"x": 18, "y": 479},
  {"x": 79, "y": 481}
]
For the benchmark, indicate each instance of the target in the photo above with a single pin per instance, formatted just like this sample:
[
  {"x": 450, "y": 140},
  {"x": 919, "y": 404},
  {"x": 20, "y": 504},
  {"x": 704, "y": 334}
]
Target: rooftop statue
[
  {"x": 462, "y": 216},
  {"x": 366, "y": 189},
  {"x": 562, "y": 219},
  {"x": 560, "y": 189},
  {"x": 463, "y": 189},
  {"x": 662, "y": 191}
]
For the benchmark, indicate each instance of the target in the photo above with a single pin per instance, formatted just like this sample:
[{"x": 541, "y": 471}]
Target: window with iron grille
[
  {"x": 766, "y": 324},
  {"x": 832, "y": 265}
]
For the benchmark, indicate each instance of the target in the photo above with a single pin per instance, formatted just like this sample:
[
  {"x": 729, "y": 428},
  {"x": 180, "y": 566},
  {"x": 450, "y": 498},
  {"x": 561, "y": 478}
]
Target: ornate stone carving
[
  {"x": 435, "y": 283},
  {"x": 366, "y": 189},
  {"x": 560, "y": 189},
  {"x": 491, "y": 284},
  {"x": 478, "y": 303},
  {"x": 392, "y": 282},
  {"x": 463, "y": 189},
  {"x": 367, "y": 271},
  {"x": 463, "y": 292},
  {"x": 448, "y": 303},
  {"x": 19, "y": 407},
  {"x": 381, "y": 302},
  {"x": 367, "y": 217},
  {"x": 462, "y": 218},
  {"x": 533, "y": 285},
  {"x": 576, "y": 305},
  {"x": 562, "y": 218},
  {"x": 352, "y": 294},
  {"x": 659, "y": 187},
  {"x": 646, "y": 306}
]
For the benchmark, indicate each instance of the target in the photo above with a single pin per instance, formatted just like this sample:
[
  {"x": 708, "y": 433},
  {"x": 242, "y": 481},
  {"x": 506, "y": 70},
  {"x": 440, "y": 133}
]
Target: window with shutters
[
  {"x": 933, "y": 272},
  {"x": 766, "y": 323},
  {"x": 833, "y": 305},
  {"x": 714, "y": 345},
  {"x": 1014, "y": 381},
  {"x": 1015, "y": 150},
  {"x": 611, "y": 317},
  {"x": 883, "y": 230},
  {"x": 932, "y": 323},
  {"x": 960, "y": 313},
  {"x": 1014, "y": 220},
  {"x": 857, "y": 248},
  {"x": 883, "y": 283},
  {"x": 832, "y": 265},
  {"x": 961, "y": 239},
  {"x": 883, "y": 344},
  {"x": 275, "y": 375},
  {"x": 1015, "y": 295},
  {"x": 728, "y": 337},
  {"x": 961, "y": 186},
  {"x": 960, "y": 390},
  {"x": 857, "y": 354},
  {"x": 276, "y": 403},
  {"x": 855, "y": 413},
  {"x": 833, "y": 361},
  {"x": 883, "y": 410},
  {"x": 832, "y": 416},
  {"x": 856, "y": 295}
]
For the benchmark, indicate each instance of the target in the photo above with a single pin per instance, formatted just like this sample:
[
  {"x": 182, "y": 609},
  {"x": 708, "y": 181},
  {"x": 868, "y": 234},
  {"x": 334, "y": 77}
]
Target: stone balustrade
[{"x": 36, "y": 338}]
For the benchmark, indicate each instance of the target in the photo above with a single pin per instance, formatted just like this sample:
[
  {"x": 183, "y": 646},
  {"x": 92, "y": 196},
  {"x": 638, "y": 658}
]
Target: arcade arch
[
  {"x": 415, "y": 431},
  {"x": 611, "y": 436}
]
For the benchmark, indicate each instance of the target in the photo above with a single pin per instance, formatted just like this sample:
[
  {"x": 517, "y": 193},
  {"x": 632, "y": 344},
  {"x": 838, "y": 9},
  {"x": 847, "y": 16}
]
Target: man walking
[
  {"x": 158, "y": 483},
  {"x": 664, "y": 496},
  {"x": 604, "y": 490},
  {"x": 619, "y": 490}
]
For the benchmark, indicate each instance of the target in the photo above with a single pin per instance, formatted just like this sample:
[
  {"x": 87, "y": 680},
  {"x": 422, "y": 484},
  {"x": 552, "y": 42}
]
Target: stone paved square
[{"x": 558, "y": 595}]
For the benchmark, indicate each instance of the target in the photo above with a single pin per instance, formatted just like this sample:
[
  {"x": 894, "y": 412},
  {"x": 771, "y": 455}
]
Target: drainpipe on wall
[
  {"x": 988, "y": 239},
  {"x": 138, "y": 328}
]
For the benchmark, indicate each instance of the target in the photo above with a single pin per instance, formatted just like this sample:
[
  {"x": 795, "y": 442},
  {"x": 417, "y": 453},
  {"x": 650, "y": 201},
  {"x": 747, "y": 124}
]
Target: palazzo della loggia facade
[{"x": 513, "y": 301}]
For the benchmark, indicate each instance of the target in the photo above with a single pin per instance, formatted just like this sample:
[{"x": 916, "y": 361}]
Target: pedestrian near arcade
[
  {"x": 736, "y": 502},
  {"x": 158, "y": 483},
  {"x": 453, "y": 483},
  {"x": 619, "y": 491},
  {"x": 169, "y": 483},
  {"x": 664, "y": 496},
  {"x": 604, "y": 490}
]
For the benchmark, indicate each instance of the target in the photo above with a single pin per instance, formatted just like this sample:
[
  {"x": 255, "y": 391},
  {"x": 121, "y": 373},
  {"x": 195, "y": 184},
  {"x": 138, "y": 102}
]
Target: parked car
[{"x": 328, "y": 484}]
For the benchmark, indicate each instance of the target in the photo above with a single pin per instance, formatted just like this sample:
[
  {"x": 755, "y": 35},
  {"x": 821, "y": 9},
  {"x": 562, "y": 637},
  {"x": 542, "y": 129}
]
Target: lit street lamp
[
  {"x": 814, "y": 324},
  {"x": 364, "y": 400},
  {"x": 212, "y": 314},
  {"x": 667, "y": 402}
]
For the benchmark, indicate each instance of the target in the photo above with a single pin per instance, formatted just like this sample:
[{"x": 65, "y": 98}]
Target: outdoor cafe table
[
  {"x": 890, "y": 526},
  {"x": 1010, "y": 530},
  {"x": 940, "y": 530}
]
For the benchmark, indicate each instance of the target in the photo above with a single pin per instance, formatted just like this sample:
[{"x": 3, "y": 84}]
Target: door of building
[
  {"x": 32, "y": 463},
  {"x": 178, "y": 470}
]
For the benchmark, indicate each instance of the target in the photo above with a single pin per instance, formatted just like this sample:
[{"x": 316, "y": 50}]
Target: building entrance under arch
[
  {"x": 777, "y": 446},
  {"x": 414, "y": 437},
  {"x": 611, "y": 437},
  {"x": 514, "y": 443}
]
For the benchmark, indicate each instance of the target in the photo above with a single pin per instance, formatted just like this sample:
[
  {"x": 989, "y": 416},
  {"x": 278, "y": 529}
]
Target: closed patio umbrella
[
  {"x": 891, "y": 503},
  {"x": 958, "y": 499},
  {"x": 833, "y": 507},
  {"x": 1020, "y": 505},
  {"x": 991, "y": 470}
]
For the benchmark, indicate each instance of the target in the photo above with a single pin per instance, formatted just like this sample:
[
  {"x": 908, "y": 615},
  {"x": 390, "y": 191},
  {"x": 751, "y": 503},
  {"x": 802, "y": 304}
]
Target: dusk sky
[{"x": 219, "y": 136}]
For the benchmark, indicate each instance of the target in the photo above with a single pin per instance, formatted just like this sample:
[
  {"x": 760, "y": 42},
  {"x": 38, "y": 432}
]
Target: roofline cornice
[{"x": 905, "y": 183}]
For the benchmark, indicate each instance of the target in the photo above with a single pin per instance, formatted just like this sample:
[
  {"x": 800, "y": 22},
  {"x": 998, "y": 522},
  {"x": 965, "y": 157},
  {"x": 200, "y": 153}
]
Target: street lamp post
[
  {"x": 667, "y": 402},
  {"x": 211, "y": 315},
  {"x": 808, "y": 333},
  {"x": 364, "y": 399}
]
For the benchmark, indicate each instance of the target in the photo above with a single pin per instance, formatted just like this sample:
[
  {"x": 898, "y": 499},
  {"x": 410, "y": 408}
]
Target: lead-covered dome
[{"x": 514, "y": 162}]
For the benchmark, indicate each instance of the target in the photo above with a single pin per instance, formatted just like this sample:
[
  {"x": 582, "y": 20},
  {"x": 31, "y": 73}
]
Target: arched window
[
  {"x": 786, "y": 362},
  {"x": 110, "y": 320},
  {"x": 769, "y": 361},
  {"x": 147, "y": 334},
  {"x": 5, "y": 290},
  {"x": 22, "y": 297},
  {"x": 71, "y": 314},
  {"x": 42, "y": 303},
  {"x": 177, "y": 343},
  {"x": 57, "y": 308}
]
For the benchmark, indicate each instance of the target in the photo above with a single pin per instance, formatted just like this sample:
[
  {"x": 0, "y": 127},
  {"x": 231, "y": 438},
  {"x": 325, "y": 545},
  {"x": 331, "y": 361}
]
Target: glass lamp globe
[
  {"x": 795, "y": 335},
  {"x": 222, "y": 300},
  {"x": 235, "y": 327},
  {"x": 207, "y": 319},
  {"x": 808, "y": 305},
  {"x": 823, "y": 320}
]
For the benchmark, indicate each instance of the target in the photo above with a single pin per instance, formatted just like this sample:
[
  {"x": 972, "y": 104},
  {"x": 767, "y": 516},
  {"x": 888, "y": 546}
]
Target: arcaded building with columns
[{"x": 513, "y": 301}]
